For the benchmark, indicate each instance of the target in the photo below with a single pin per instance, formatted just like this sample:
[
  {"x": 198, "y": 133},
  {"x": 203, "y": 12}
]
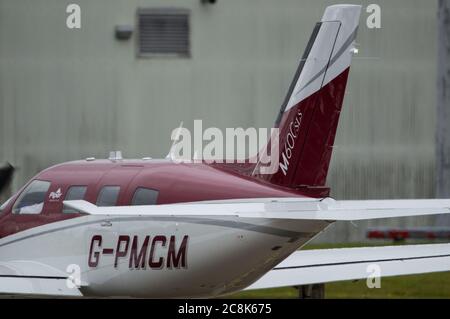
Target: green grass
[{"x": 434, "y": 285}]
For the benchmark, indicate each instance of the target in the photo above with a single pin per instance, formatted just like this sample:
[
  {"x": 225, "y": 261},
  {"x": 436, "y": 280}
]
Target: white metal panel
[
  {"x": 312, "y": 76},
  {"x": 34, "y": 278},
  {"x": 345, "y": 41},
  {"x": 36, "y": 287},
  {"x": 313, "y": 209},
  {"x": 328, "y": 265}
]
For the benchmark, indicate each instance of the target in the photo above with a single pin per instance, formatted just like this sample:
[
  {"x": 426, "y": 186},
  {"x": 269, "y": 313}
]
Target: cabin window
[
  {"x": 108, "y": 196},
  {"x": 74, "y": 193},
  {"x": 31, "y": 201},
  {"x": 144, "y": 196}
]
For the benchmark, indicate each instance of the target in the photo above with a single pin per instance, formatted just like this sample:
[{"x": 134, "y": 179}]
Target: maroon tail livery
[{"x": 309, "y": 116}]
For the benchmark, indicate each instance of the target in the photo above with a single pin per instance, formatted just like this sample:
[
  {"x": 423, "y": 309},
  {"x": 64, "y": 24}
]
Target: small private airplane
[{"x": 156, "y": 228}]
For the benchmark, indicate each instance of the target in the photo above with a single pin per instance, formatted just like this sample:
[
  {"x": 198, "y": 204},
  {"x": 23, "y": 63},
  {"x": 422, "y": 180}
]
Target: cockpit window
[
  {"x": 74, "y": 193},
  {"x": 31, "y": 201},
  {"x": 4, "y": 205},
  {"x": 108, "y": 196},
  {"x": 144, "y": 196}
]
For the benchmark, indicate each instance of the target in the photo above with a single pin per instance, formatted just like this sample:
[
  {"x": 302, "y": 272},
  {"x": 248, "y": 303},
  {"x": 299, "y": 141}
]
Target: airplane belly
[{"x": 189, "y": 257}]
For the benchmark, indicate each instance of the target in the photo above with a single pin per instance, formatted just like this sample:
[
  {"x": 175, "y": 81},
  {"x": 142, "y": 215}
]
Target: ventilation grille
[{"x": 163, "y": 32}]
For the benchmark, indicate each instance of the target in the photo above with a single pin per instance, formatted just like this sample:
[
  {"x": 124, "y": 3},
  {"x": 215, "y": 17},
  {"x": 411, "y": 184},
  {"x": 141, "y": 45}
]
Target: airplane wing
[
  {"x": 329, "y": 265},
  {"x": 29, "y": 278},
  {"x": 280, "y": 208}
]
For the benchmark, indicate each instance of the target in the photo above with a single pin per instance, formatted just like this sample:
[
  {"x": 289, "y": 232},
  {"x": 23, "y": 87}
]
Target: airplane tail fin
[{"x": 309, "y": 116}]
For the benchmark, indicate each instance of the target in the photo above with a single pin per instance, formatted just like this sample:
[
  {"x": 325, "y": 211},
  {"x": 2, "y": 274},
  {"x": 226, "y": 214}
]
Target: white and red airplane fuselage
[{"x": 154, "y": 256}]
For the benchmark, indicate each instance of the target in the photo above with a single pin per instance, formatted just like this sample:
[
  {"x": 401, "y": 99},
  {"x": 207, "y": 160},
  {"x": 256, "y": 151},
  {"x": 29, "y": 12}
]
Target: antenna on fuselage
[{"x": 115, "y": 156}]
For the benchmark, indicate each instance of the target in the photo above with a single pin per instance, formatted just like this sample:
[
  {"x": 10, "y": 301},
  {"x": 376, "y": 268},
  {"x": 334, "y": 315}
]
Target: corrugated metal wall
[{"x": 68, "y": 94}]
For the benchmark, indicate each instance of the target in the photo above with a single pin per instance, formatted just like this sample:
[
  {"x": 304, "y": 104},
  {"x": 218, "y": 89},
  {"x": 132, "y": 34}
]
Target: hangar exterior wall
[{"x": 69, "y": 94}]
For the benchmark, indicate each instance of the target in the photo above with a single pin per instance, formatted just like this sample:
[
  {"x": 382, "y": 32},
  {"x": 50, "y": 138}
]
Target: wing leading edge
[{"x": 280, "y": 208}]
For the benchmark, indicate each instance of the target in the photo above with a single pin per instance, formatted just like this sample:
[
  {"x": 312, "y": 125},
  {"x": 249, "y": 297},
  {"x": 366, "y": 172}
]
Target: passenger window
[
  {"x": 144, "y": 196},
  {"x": 31, "y": 201},
  {"x": 108, "y": 196},
  {"x": 74, "y": 193}
]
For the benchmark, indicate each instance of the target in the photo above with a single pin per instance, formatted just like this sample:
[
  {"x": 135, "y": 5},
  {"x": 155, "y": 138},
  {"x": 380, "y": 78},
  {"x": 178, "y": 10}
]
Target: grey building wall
[{"x": 68, "y": 94}]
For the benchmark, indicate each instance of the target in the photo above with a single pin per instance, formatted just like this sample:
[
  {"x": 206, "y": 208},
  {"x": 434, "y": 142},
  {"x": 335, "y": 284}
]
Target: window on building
[
  {"x": 74, "y": 193},
  {"x": 108, "y": 196},
  {"x": 144, "y": 196},
  {"x": 163, "y": 32},
  {"x": 31, "y": 201}
]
